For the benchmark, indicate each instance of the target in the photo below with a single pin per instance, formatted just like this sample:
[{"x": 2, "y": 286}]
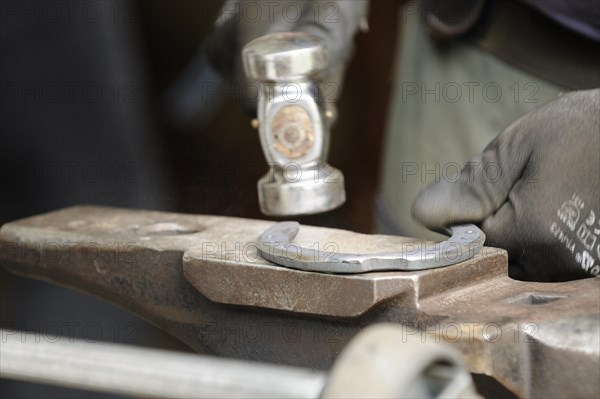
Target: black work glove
[
  {"x": 241, "y": 21},
  {"x": 534, "y": 191},
  {"x": 217, "y": 72}
]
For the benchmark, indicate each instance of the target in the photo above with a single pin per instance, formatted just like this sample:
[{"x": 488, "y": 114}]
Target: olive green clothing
[{"x": 450, "y": 100}]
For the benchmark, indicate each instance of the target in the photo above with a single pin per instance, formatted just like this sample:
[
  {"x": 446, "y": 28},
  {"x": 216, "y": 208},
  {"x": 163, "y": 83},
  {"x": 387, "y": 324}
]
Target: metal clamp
[{"x": 275, "y": 245}]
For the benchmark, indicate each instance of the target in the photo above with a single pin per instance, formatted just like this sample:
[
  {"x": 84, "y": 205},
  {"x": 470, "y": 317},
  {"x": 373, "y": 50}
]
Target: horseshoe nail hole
[
  {"x": 532, "y": 299},
  {"x": 165, "y": 229}
]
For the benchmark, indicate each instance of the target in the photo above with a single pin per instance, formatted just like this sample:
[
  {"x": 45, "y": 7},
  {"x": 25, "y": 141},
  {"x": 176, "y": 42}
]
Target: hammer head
[{"x": 294, "y": 124}]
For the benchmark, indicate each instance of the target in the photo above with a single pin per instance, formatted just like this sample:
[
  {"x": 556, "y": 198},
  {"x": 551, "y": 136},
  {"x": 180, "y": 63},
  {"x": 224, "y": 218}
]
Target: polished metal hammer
[{"x": 294, "y": 123}]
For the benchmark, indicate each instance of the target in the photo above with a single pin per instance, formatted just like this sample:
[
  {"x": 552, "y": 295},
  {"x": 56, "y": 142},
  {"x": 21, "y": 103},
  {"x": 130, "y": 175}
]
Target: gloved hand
[
  {"x": 534, "y": 191},
  {"x": 241, "y": 21}
]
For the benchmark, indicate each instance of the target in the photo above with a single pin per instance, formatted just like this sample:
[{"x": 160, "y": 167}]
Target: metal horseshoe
[{"x": 276, "y": 245}]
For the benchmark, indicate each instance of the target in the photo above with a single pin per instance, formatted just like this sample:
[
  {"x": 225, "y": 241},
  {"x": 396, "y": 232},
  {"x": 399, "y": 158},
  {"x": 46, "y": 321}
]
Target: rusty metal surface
[
  {"x": 538, "y": 339},
  {"x": 332, "y": 295}
]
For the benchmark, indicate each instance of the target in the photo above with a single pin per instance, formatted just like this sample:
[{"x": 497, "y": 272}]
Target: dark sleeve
[{"x": 582, "y": 16}]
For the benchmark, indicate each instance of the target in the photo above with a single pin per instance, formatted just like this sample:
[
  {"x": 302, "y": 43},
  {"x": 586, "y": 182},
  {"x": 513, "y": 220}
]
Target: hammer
[{"x": 294, "y": 124}]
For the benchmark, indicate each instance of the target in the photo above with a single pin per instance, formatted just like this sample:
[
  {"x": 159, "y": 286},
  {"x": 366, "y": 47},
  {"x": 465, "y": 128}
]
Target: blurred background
[{"x": 86, "y": 95}]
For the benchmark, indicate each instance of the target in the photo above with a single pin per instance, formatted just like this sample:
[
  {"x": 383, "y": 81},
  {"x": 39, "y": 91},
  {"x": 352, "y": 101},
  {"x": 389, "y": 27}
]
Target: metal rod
[{"x": 146, "y": 372}]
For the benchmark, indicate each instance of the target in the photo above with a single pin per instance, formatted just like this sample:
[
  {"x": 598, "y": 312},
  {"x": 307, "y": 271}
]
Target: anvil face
[{"x": 201, "y": 279}]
